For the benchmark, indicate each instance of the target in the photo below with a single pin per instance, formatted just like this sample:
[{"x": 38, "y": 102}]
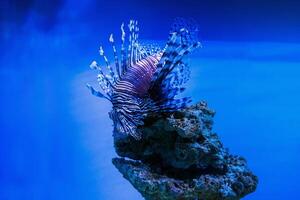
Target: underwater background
[{"x": 56, "y": 139}]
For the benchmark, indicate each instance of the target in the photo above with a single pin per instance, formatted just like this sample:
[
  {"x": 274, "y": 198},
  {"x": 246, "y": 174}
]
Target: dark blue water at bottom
[{"x": 56, "y": 138}]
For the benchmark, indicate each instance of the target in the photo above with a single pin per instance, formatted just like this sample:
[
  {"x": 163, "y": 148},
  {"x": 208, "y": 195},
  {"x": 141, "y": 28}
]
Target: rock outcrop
[{"x": 180, "y": 157}]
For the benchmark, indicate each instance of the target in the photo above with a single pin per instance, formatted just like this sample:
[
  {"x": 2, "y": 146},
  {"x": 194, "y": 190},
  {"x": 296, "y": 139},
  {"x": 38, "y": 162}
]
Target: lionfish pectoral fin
[
  {"x": 166, "y": 81},
  {"x": 183, "y": 39}
]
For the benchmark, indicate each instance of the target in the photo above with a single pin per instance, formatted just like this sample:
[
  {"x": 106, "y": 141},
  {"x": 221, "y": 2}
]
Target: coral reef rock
[{"x": 179, "y": 157}]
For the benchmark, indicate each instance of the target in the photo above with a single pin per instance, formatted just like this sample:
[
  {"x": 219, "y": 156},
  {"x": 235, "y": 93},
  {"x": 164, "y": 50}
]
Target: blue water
[{"x": 56, "y": 138}]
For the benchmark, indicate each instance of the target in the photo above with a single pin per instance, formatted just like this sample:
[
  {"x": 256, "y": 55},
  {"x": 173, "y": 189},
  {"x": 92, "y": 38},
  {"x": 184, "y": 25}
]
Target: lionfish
[{"x": 145, "y": 79}]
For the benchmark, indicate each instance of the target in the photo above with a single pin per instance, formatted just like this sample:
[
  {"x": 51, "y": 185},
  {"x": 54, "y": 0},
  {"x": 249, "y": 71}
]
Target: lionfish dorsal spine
[
  {"x": 123, "y": 51},
  {"x": 133, "y": 47},
  {"x": 116, "y": 59},
  {"x": 131, "y": 39},
  {"x": 104, "y": 83},
  {"x": 111, "y": 75}
]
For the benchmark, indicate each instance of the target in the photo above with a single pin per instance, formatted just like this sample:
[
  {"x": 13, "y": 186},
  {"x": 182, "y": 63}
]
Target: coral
[{"x": 180, "y": 157}]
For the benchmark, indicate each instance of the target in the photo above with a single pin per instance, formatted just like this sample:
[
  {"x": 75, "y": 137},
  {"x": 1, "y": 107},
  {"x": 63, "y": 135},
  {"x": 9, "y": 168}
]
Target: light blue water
[{"x": 56, "y": 140}]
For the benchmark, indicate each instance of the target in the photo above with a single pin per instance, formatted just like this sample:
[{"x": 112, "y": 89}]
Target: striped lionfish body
[{"x": 145, "y": 79}]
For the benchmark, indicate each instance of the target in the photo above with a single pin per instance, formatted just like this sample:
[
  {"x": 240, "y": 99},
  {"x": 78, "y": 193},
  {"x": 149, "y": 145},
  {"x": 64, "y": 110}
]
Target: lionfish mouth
[{"x": 146, "y": 79}]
